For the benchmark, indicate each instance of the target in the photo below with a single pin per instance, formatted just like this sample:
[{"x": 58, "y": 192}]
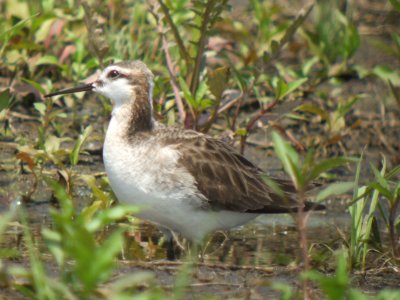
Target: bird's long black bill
[{"x": 81, "y": 88}]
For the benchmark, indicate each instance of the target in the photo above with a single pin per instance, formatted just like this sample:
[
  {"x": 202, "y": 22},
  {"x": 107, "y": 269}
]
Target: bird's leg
[
  {"x": 171, "y": 249},
  {"x": 171, "y": 252}
]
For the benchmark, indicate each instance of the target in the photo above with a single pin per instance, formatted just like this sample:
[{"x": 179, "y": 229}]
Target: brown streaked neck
[{"x": 136, "y": 116}]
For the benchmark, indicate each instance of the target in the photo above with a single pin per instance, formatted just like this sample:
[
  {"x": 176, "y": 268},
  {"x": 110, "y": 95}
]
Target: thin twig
[
  {"x": 230, "y": 104},
  {"x": 175, "y": 265},
  {"x": 301, "y": 219},
  {"x": 299, "y": 146},
  {"x": 170, "y": 68},
  {"x": 260, "y": 114},
  {"x": 201, "y": 46},
  {"x": 22, "y": 116},
  {"x": 239, "y": 104},
  {"x": 175, "y": 32},
  {"x": 251, "y": 123}
]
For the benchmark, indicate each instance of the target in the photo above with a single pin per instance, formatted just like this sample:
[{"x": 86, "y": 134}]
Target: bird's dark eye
[{"x": 113, "y": 74}]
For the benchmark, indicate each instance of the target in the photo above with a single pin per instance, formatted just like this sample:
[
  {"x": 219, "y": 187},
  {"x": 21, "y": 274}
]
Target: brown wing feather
[{"x": 225, "y": 177}]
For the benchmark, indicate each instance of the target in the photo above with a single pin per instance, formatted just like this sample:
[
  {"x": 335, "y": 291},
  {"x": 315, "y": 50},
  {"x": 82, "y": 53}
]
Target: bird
[{"x": 185, "y": 182}]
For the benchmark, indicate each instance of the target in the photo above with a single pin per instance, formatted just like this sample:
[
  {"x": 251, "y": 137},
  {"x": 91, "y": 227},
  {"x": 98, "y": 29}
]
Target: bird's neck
[{"x": 134, "y": 116}]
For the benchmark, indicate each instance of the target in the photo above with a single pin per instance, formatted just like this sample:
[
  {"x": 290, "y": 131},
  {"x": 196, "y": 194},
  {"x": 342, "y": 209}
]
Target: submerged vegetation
[{"x": 295, "y": 81}]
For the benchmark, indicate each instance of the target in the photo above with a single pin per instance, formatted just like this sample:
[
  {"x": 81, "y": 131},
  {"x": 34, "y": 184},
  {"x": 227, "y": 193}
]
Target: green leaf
[
  {"x": 327, "y": 165},
  {"x": 396, "y": 4},
  {"x": 384, "y": 191},
  {"x": 285, "y": 290},
  {"x": 240, "y": 80},
  {"x": 186, "y": 93},
  {"x": 388, "y": 74},
  {"x": 274, "y": 47},
  {"x": 281, "y": 89},
  {"x": 16, "y": 28},
  {"x": 241, "y": 131},
  {"x": 110, "y": 215},
  {"x": 275, "y": 187},
  {"x": 217, "y": 81},
  {"x": 336, "y": 286},
  {"x": 333, "y": 189},
  {"x": 40, "y": 107},
  {"x": 314, "y": 109},
  {"x": 294, "y": 85},
  {"x": 379, "y": 176},
  {"x": 98, "y": 193},
  {"x": 48, "y": 60},
  {"x": 105, "y": 258},
  {"x": 35, "y": 85},
  {"x": 200, "y": 92},
  {"x": 53, "y": 241},
  {"x": 131, "y": 280},
  {"x": 289, "y": 159},
  {"x": 307, "y": 66},
  {"x": 5, "y": 219},
  {"x": 5, "y": 99},
  {"x": 67, "y": 208},
  {"x": 343, "y": 108},
  {"x": 74, "y": 156}
]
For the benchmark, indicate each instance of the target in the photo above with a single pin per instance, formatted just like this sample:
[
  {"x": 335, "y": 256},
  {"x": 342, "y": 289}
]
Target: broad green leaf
[
  {"x": 106, "y": 253},
  {"x": 206, "y": 103},
  {"x": 5, "y": 99},
  {"x": 274, "y": 47},
  {"x": 53, "y": 241},
  {"x": 393, "y": 172},
  {"x": 333, "y": 189},
  {"x": 35, "y": 85},
  {"x": 89, "y": 211},
  {"x": 327, "y": 165},
  {"x": 307, "y": 66},
  {"x": 396, "y": 4},
  {"x": 40, "y": 107},
  {"x": 97, "y": 192},
  {"x": 128, "y": 281},
  {"x": 74, "y": 156},
  {"x": 217, "y": 81},
  {"x": 52, "y": 143},
  {"x": 336, "y": 286},
  {"x": 48, "y": 60},
  {"x": 186, "y": 93},
  {"x": 5, "y": 219},
  {"x": 285, "y": 290},
  {"x": 275, "y": 187},
  {"x": 281, "y": 89},
  {"x": 109, "y": 215},
  {"x": 241, "y": 131},
  {"x": 386, "y": 73},
  {"x": 16, "y": 28},
  {"x": 289, "y": 159},
  {"x": 42, "y": 33},
  {"x": 314, "y": 109},
  {"x": 61, "y": 194},
  {"x": 294, "y": 85},
  {"x": 241, "y": 80},
  {"x": 201, "y": 91},
  {"x": 384, "y": 191},
  {"x": 344, "y": 108},
  {"x": 379, "y": 176}
]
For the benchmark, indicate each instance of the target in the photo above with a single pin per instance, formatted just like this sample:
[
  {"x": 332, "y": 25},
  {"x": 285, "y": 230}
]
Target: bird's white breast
[{"x": 148, "y": 175}]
